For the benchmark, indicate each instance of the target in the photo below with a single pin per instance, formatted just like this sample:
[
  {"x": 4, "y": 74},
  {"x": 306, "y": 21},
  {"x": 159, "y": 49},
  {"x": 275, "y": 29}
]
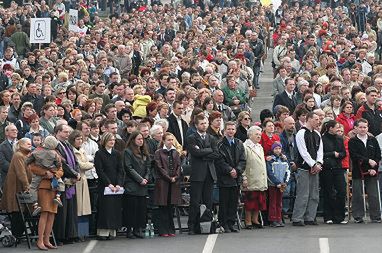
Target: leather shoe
[
  {"x": 259, "y": 225},
  {"x": 311, "y": 223},
  {"x": 298, "y": 224},
  {"x": 138, "y": 233},
  {"x": 191, "y": 232},
  {"x": 227, "y": 230},
  {"x": 233, "y": 230},
  {"x": 130, "y": 235}
]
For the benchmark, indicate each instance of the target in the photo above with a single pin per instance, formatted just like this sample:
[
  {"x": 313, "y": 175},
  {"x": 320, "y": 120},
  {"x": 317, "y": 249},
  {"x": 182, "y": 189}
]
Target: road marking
[
  {"x": 90, "y": 246},
  {"x": 324, "y": 245},
  {"x": 210, "y": 243}
]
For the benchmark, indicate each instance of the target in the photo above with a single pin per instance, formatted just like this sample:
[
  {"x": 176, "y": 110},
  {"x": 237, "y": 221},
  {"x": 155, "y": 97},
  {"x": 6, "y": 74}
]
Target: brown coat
[
  {"x": 163, "y": 178},
  {"x": 17, "y": 180},
  {"x": 45, "y": 193}
]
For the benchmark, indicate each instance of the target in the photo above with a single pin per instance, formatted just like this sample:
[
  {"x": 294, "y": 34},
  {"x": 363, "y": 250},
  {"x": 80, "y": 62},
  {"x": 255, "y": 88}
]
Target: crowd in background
[{"x": 154, "y": 93}]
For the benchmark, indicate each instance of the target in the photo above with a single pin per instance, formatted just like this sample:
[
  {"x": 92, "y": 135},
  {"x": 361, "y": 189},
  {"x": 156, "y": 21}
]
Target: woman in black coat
[
  {"x": 332, "y": 175},
  {"x": 136, "y": 164},
  {"x": 167, "y": 185},
  {"x": 108, "y": 164}
]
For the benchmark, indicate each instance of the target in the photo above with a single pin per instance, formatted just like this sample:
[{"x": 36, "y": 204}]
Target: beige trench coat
[
  {"x": 82, "y": 189},
  {"x": 255, "y": 169}
]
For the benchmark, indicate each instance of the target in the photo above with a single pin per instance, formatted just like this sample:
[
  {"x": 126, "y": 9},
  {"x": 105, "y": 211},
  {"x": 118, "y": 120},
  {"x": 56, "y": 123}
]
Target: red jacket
[
  {"x": 267, "y": 142},
  {"x": 348, "y": 123},
  {"x": 345, "y": 161}
]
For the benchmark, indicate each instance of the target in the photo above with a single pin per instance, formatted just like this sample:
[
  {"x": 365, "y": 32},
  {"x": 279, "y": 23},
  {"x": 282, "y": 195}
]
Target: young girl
[
  {"x": 278, "y": 176},
  {"x": 167, "y": 187}
]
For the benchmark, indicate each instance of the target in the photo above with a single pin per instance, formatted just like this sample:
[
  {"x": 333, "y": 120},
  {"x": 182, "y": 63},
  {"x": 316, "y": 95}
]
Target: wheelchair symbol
[{"x": 40, "y": 28}]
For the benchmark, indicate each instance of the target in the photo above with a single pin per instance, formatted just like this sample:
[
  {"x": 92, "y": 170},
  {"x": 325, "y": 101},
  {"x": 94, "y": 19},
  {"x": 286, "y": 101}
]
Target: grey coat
[{"x": 136, "y": 169}]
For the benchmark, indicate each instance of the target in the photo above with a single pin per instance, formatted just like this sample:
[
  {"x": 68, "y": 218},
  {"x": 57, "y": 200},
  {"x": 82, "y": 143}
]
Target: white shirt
[
  {"x": 363, "y": 139},
  {"x": 180, "y": 125},
  {"x": 90, "y": 147}
]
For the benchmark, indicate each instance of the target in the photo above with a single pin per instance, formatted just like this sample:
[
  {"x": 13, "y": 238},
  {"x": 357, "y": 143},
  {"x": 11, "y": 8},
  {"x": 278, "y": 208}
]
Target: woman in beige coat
[
  {"x": 254, "y": 179},
  {"x": 82, "y": 189}
]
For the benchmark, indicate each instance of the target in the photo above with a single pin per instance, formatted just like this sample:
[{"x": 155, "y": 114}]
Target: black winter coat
[
  {"x": 360, "y": 155},
  {"x": 333, "y": 143},
  {"x": 230, "y": 158}
]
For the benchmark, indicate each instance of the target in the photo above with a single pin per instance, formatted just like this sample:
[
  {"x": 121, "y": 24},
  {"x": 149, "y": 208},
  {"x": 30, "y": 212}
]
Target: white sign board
[
  {"x": 73, "y": 20},
  {"x": 40, "y": 30}
]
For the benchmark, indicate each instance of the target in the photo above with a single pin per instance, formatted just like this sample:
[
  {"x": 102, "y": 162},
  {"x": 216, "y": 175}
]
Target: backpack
[{"x": 207, "y": 222}]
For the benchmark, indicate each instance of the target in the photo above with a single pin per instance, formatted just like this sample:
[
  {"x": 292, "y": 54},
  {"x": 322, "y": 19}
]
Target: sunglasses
[{"x": 246, "y": 118}]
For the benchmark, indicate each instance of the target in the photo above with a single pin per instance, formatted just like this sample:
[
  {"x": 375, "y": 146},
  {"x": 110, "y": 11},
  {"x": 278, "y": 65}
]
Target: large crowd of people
[{"x": 111, "y": 118}]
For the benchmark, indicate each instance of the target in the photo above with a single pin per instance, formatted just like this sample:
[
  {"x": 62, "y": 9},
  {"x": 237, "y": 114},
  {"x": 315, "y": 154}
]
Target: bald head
[{"x": 289, "y": 124}]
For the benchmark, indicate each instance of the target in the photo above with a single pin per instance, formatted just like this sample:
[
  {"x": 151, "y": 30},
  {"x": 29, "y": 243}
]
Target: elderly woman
[
  {"x": 243, "y": 122},
  {"x": 17, "y": 180},
  {"x": 254, "y": 179},
  {"x": 82, "y": 189}
]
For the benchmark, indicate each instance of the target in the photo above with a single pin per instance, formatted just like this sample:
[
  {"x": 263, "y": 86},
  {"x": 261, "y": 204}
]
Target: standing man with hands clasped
[
  {"x": 229, "y": 169},
  {"x": 309, "y": 163},
  {"x": 203, "y": 151},
  {"x": 365, "y": 154}
]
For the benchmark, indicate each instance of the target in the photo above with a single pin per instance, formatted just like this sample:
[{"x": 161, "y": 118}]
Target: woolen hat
[{"x": 275, "y": 145}]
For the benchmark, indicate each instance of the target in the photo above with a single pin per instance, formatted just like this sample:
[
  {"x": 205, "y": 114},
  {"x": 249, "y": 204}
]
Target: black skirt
[
  {"x": 134, "y": 211},
  {"x": 109, "y": 211}
]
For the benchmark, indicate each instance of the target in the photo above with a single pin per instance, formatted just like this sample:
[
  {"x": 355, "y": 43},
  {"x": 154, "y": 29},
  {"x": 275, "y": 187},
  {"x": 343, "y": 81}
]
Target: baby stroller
[{"x": 6, "y": 237}]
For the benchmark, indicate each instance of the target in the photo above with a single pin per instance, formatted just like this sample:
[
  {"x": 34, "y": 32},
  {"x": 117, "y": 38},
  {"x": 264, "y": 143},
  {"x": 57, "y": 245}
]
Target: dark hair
[
  {"x": 266, "y": 113},
  {"x": 195, "y": 112},
  {"x": 206, "y": 101},
  {"x": 198, "y": 118},
  {"x": 138, "y": 151},
  {"x": 361, "y": 120},
  {"x": 327, "y": 125},
  {"x": 73, "y": 135}
]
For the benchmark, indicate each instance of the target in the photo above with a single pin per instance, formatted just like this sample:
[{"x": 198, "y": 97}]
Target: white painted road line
[
  {"x": 90, "y": 246},
  {"x": 210, "y": 243},
  {"x": 324, "y": 245}
]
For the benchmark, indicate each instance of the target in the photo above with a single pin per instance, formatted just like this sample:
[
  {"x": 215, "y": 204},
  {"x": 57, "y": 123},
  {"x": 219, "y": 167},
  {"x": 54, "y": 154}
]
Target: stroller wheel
[{"x": 8, "y": 241}]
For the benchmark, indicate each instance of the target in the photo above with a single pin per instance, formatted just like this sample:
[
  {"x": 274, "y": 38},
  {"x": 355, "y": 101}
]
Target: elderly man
[
  {"x": 6, "y": 151},
  {"x": 123, "y": 62}
]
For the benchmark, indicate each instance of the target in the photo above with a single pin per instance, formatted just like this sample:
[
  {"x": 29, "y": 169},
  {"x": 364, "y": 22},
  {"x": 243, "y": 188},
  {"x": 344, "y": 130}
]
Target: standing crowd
[{"x": 108, "y": 120}]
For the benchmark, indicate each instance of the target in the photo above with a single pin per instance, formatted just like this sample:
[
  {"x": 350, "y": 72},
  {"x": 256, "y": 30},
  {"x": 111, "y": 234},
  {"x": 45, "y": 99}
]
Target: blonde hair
[{"x": 17, "y": 145}]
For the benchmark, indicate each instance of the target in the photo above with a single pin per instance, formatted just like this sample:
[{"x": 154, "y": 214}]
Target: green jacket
[
  {"x": 21, "y": 41},
  {"x": 230, "y": 94}
]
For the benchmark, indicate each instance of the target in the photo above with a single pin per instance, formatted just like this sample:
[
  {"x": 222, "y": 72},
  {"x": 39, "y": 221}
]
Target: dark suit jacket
[
  {"x": 229, "y": 160},
  {"x": 6, "y": 153},
  {"x": 68, "y": 172},
  {"x": 203, "y": 156},
  {"x": 173, "y": 128},
  {"x": 37, "y": 101},
  {"x": 283, "y": 99},
  {"x": 169, "y": 35}
]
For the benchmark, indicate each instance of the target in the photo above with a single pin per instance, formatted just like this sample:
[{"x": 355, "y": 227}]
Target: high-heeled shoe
[{"x": 41, "y": 247}]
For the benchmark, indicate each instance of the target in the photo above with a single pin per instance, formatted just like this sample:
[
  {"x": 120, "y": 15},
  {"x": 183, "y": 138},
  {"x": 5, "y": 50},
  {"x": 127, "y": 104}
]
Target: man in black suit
[
  {"x": 229, "y": 169},
  {"x": 176, "y": 125},
  {"x": 203, "y": 152},
  {"x": 287, "y": 97},
  {"x": 6, "y": 151}
]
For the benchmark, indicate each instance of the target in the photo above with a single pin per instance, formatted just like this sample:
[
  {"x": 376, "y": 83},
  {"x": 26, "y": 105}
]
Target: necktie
[
  {"x": 203, "y": 137},
  {"x": 220, "y": 108}
]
